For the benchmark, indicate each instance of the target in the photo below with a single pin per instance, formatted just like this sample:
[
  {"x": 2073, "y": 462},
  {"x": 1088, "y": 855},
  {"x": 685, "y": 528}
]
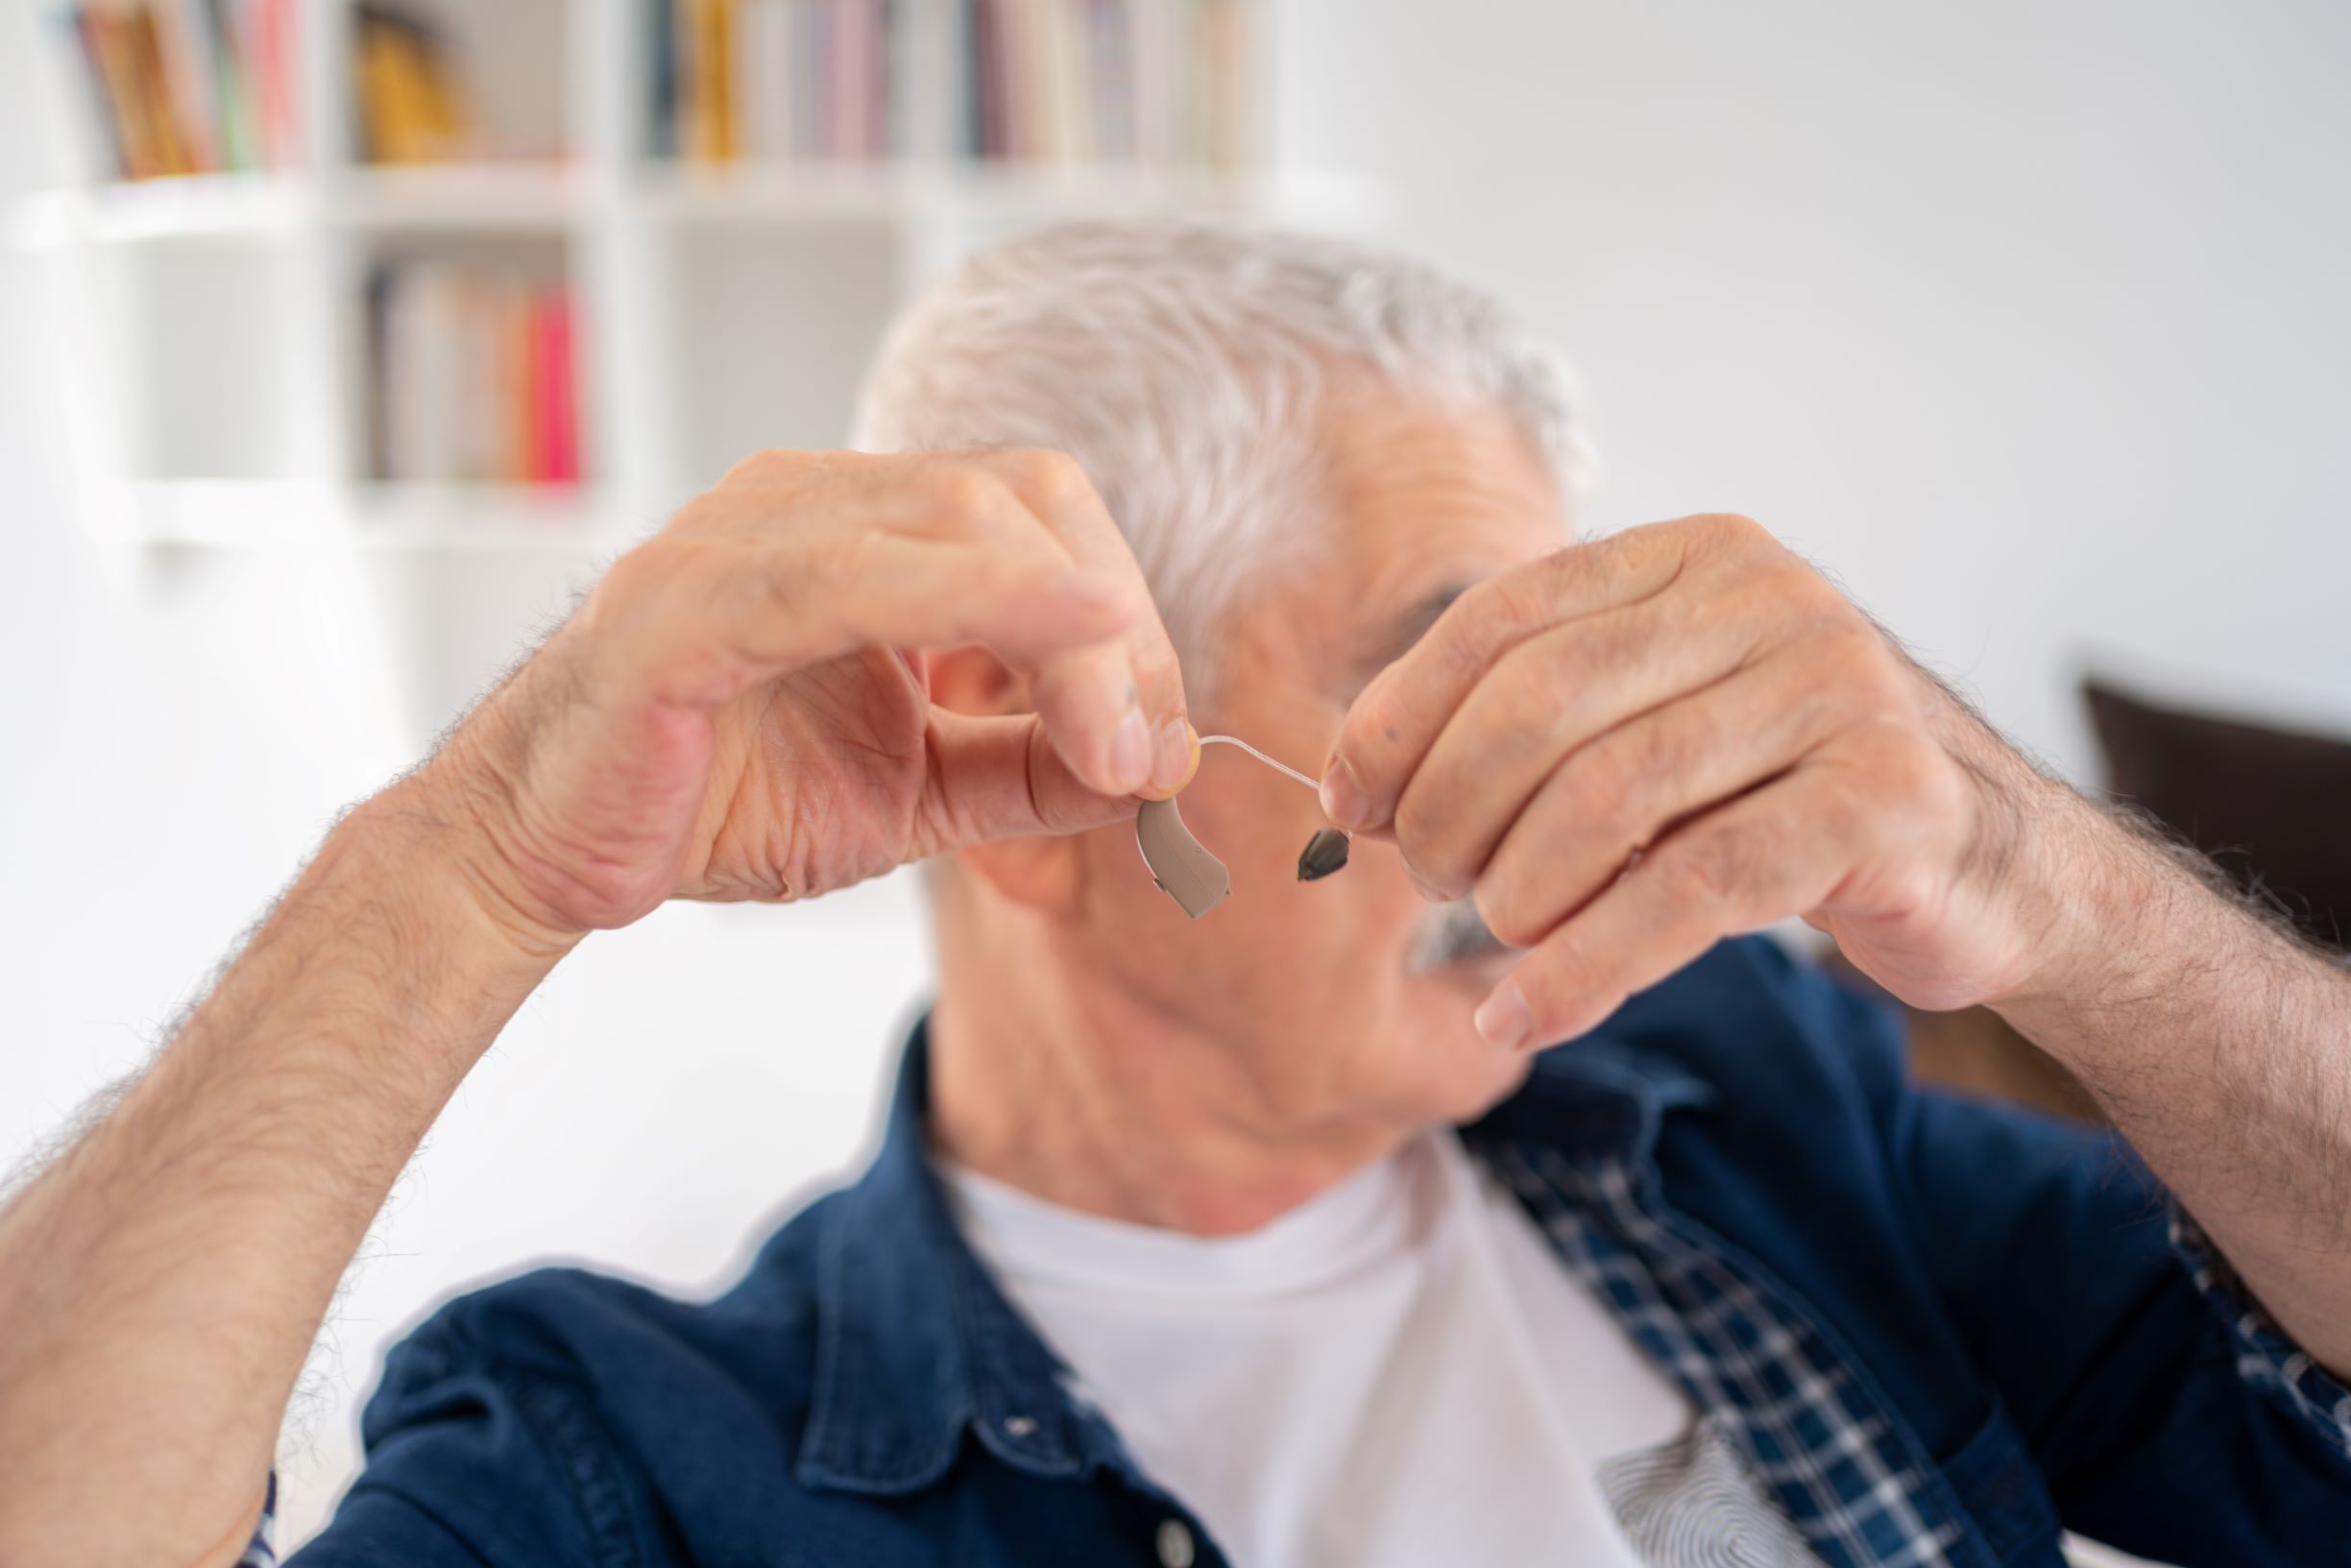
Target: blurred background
[{"x": 339, "y": 342}]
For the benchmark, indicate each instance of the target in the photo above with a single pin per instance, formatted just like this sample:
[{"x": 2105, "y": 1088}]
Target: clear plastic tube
[{"x": 1278, "y": 768}]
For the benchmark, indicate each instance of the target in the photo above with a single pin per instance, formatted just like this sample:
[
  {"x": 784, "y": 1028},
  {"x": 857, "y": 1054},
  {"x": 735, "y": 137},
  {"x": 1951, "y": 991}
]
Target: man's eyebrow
[{"x": 1395, "y": 639}]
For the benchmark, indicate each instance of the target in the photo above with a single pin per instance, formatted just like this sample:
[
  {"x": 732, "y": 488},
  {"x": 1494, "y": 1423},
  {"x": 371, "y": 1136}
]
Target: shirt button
[
  {"x": 1019, "y": 1425},
  {"x": 1174, "y": 1544}
]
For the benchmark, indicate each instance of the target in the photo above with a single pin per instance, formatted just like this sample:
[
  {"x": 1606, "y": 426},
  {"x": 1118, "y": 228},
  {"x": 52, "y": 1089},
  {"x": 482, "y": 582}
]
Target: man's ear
[{"x": 1045, "y": 872}]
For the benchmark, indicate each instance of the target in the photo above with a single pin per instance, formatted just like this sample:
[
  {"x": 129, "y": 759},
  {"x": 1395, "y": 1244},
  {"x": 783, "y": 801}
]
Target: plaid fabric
[
  {"x": 1808, "y": 1426},
  {"x": 2265, "y": 1357}
]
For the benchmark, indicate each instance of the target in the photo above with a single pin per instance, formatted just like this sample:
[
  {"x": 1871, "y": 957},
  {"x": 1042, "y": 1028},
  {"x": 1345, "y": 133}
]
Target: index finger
[
  {"x": 1056, "y": 489},
  {"x": 1390, "y": 726}
]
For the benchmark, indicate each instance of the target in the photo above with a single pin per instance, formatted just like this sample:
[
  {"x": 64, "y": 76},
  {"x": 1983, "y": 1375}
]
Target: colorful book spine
[
  {"x": 1065, "y": 82},
  {"x": 662, "y": 50},
  {"x": 278, "y": 140},
  {"x": 111, "y": 132},
  {"x": 473, "y": 377},
  {"x": 554, "y": 412},
  {"x": 411, "y": 110},
  {"x": 775, "y": 80},
  {"x": 185, "y": 86},
  {"x": 707, "y": 58}
]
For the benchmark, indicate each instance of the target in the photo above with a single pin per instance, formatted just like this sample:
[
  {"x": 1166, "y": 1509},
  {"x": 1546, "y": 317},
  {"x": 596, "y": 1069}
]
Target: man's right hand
[{"x": 739, "y": 710}]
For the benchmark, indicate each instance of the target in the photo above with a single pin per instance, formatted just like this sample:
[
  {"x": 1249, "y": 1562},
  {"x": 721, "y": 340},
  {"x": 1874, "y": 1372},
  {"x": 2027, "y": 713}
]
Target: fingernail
[
  {"x": 1343, "y": 800},
  {"x": 1130, "y": 753},
  {"x": 1502, "y": 1018},
  {"x": 1427, "y": 890},
  {"x": 1172, "y": 769}
]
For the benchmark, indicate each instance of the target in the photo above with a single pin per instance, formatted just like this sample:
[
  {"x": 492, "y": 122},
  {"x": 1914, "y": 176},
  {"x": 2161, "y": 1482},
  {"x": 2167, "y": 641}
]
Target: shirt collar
[
  {"x": 1597, "y": 1098},
  {"x": 917, "y": 1344}
]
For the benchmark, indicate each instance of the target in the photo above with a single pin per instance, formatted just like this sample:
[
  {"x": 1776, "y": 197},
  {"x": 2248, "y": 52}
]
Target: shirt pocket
[{"x": 2002, "y": 1489}]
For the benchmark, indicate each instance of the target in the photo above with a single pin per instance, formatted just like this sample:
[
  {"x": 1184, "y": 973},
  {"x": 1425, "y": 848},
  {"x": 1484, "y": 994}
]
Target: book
[
  {"x": 707, "y": 49},
  {"x": 554, "y": 408},
  {"x": 204, "y": 84},
  {"x": 776, "y": 79},
  {"x": 473, "y": 376},
  {"x": 184, "y": 87},
  {"x": 270, "y": 64},
  {"x": 662, "y": 52},
  {"x": 1072, "y": 82},
  {"x": 166, "y": 145},
  {"x": 411, "y": 110}
]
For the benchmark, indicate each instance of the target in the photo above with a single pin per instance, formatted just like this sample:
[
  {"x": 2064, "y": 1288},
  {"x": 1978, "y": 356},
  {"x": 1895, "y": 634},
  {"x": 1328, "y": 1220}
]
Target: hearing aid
[{"x": 1187, "y": 872}]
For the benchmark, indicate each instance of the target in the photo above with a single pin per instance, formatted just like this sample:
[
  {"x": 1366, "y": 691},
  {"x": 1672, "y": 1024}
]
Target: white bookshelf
[{"x": 210, "y": 334}]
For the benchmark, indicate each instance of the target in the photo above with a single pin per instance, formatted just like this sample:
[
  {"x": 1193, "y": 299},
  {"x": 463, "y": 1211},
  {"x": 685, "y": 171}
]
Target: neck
[{"x": 1094, "y": 1099}]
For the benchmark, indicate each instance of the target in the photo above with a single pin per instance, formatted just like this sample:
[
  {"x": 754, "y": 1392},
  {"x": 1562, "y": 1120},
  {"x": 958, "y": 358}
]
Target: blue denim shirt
[{"x": 1935, "y": 1329}]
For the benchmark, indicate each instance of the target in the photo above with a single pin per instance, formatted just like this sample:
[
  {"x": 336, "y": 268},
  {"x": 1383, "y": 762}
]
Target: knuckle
[
  {"x": 1734, "y": 530},
  {"x": 773, "y": 464},
  {"x": 1552, "y": 979},
  {"x": 1508, "y": 913},
  {"x": 1826, "y": 606},
  {"x": 1712, "y": 871},
  {"x": 1048, "y": 474},
  {"x": 963, "y": 491},
  {"x": 1635, "y": 553},
  {"x": 1416, "y": 833}
]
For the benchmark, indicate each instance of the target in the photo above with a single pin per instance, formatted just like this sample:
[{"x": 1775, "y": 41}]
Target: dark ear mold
[{"x": 1325, "y": 853}]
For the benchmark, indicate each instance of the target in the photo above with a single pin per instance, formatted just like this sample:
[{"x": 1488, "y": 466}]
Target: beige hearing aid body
[{"x": 1179, "y": 864}]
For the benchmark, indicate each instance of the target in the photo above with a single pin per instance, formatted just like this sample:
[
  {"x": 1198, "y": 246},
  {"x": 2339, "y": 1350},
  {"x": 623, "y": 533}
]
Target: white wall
[{"x": 2028, "y": 319}]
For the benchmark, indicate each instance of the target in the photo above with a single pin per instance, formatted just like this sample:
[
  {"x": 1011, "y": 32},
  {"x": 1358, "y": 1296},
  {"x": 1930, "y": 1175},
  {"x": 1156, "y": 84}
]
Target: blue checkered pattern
[
  {"x": 1804, "y": 1416},
  {"x": 2265, "y": 1357}
]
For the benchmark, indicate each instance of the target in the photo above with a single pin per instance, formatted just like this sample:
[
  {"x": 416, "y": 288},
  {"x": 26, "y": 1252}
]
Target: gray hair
[{"x": 1180, "y": 361}]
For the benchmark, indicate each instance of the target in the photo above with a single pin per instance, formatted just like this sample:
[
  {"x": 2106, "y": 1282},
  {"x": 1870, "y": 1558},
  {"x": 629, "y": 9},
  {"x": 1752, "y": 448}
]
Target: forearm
[
  {"x": 161, "y": 1282},
  {"x": 2221, "y": 1047}
]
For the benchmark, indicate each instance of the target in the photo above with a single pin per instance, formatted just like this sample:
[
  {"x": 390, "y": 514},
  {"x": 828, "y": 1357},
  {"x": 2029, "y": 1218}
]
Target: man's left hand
[{"x": 1630, "y": 749}]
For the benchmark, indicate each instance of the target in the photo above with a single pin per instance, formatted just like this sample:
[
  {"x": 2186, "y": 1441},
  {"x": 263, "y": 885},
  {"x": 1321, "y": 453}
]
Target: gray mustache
[{"x": 1452, "y": 933}]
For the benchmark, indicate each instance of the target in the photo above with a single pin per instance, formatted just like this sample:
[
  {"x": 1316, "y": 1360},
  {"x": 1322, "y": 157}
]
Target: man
[{"x": 1276, "y": 1238}]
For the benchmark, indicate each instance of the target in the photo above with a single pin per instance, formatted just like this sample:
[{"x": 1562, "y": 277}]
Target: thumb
[{"x": 999, "y": 777}]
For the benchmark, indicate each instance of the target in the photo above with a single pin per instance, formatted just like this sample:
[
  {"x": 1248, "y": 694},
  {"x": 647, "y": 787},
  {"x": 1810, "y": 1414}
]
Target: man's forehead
[
  {"x": 1427, "y": 497},
  {"x": 1425, "y": 500}
]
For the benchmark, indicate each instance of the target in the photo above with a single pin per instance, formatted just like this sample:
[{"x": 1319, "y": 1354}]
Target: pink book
[
  {"x": 555, "y": 422},
  {"x": 845, "y": 135},
  {"x": 271, "y": 25}
]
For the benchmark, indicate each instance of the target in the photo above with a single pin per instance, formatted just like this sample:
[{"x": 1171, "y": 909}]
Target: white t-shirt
[{"x": 1399, "y": 1373}]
